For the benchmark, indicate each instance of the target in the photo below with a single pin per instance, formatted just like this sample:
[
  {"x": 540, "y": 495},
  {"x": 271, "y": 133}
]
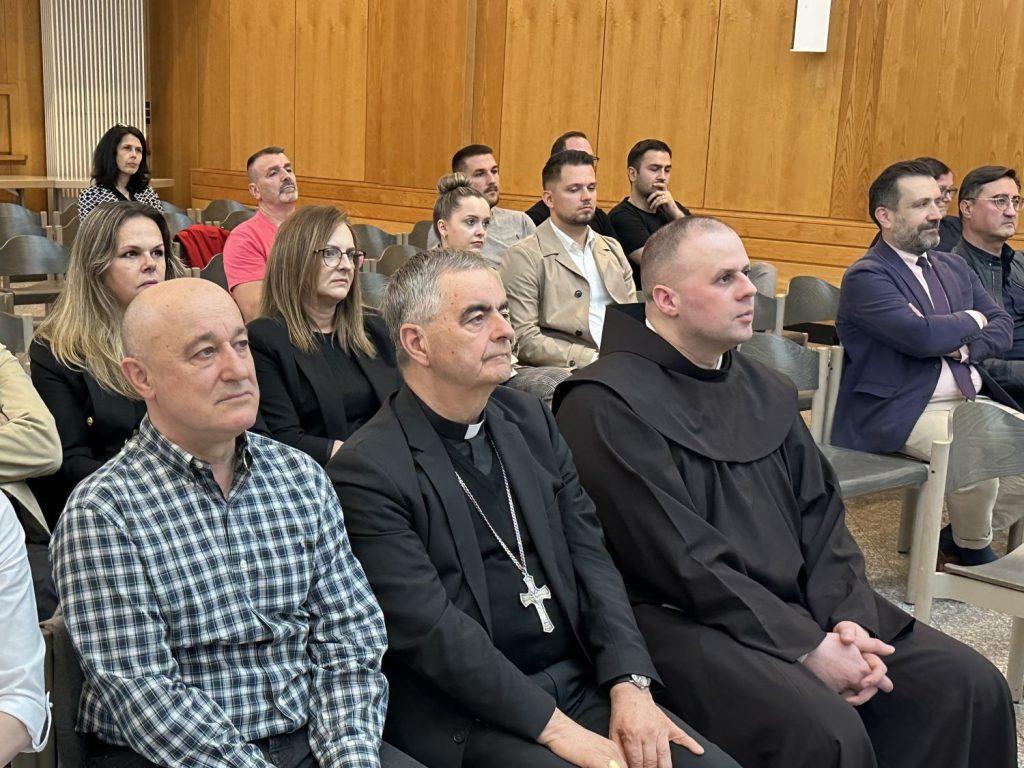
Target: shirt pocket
[{"x": 875, "y": 388}]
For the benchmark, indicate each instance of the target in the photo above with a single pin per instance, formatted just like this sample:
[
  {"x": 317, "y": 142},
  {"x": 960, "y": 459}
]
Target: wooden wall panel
[
  {"x": 21, "y": 69},
  {"x": 330, "y": 88},
  {"x": 663, "y": 93},
  {"x": 261, "y": 41},
  {"x": 173, "y": 133},
  {"x": 775, "y": 113},
  {"x": 416, "y": 89},
  {"x": 553, "y": 54},
  {"x": 213, "y": 82},
  {"x": 489, "y": 73}
]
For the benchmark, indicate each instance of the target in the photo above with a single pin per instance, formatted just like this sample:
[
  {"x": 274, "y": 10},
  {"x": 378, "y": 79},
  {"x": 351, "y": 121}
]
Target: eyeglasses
[
  {"x": 332, "y": 256},
  {"x": 947, "y": 191},
  {"x": 1002, "y": 201}
]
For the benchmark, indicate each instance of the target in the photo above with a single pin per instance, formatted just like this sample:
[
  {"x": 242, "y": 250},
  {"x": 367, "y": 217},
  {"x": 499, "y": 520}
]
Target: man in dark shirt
[
  {"x": 540, "y": 212},
  {"x": 989, "y": 201},
  {"x": 650, "y": 205}
]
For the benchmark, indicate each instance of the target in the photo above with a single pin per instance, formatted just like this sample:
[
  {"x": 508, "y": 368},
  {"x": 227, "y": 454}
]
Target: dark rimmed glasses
[{"x": 332, "y": 256}]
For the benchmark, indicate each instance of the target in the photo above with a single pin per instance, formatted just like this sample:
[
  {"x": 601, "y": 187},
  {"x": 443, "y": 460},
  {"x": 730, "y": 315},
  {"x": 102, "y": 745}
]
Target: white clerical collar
[
  {"x": 472, "y": 430},
  {"x": 568, "y": 242},
  {"x": 718, "y": 363}
]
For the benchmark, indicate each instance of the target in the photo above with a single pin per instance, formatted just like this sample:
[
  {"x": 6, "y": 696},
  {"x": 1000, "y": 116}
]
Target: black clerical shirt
[{"x": 517, "y": 629}]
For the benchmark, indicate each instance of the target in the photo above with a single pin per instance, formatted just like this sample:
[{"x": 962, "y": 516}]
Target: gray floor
[{"x": 874, "y": 521}]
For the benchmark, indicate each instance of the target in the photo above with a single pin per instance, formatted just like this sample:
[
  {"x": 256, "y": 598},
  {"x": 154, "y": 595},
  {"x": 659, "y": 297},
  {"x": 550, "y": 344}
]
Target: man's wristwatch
[{"x": 640, "y": 681}]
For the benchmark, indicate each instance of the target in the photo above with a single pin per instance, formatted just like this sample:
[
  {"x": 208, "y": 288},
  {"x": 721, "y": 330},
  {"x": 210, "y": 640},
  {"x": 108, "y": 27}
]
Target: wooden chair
[
  {"x": 177, "y": 222},
  {"x": 986, "y": 442},
  {"x": 395, "y": 256},
  {"x": 768, "y": 312},
  {"x": 214, "y": 271},
  {"x": 810, "y": 300},
  {"x": 67, "y": 232},
  {"x": 235, "y": 218},
  {"x": 171, "y": 208},
  {"x": 15, "y": 211},
  {"x": 372, "y": 240},
  {"x": 15, "y": 226},
  {"x": 417, "y": 237},
  {"x": 15, "y": 332},
  {"x": 29, "y": 255},
  {"x": 218, "y": 211},
  {"x": 373, "y": 285}
]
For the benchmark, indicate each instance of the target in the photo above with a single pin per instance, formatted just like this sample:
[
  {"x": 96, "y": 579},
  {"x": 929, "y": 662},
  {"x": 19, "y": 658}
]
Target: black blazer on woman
[
  {"x": 93, "y": 424},
  {"x": 302, "y": 400}
]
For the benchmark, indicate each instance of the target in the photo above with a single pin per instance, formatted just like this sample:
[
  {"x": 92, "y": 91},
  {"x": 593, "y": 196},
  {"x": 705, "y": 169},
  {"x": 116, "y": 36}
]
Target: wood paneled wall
[
  {"x": 22, "y": 130},
  {"x": 371, "y": 97}
]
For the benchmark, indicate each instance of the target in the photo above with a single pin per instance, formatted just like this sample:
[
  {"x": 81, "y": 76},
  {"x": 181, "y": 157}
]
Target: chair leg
[
  {"x": 907, "y": 516},
  {"x": 1015, "y": 666},
  {"x": 1015, "y": 536},
  {"x": 928, "y": 520}
]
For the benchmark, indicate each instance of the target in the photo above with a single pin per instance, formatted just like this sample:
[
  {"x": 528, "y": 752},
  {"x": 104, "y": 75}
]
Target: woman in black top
[
  {"x": 120, "y": 171},
  {"x": 323, "y": 365},
  {"x": 121, "y": 250}
]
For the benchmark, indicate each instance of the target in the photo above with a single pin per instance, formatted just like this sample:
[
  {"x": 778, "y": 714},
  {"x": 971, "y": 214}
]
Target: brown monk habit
[{"x": 728, "y": 527}]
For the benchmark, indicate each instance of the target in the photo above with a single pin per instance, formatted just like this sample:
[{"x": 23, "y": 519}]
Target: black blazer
[
  {"x": 410, "y": 527},
  {"x": 93, "y": 424},
  {"x": 302, "y": 401}
]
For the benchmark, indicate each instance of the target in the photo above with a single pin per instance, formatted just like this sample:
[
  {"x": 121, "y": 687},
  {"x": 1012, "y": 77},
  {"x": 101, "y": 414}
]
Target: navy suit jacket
[{"x": 893, "y": 354}]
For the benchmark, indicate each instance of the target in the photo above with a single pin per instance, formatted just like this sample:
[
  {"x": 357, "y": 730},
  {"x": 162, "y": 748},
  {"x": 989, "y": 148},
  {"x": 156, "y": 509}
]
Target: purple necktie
[{"x": 940, "y": 304}]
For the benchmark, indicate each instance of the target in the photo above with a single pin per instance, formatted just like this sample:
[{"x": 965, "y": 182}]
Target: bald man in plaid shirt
[{"x": 205, "y": 572}]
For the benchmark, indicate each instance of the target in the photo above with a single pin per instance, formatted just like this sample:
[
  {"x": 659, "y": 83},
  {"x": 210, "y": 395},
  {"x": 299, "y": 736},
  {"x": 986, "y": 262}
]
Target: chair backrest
[
  {"x": 218, "y": 210},
  {"x": 214, "y": 271},
  {"x": 15, "y": 211},
  {"x": 418, "y": 236},
  {"x": 395, "y": 256},
  {"x": 835, "y": 375},
  {"x": 14, "y": 226},
  {"x": 765, "y": 277},
  {"x": 810, "y": 300},
  {"x": 64, "y": 681},
  {"x": 768, "y": 312},
  {"x": 171, "y": 208},
  {"x": 373, "y": 284},
  {"x": 68, "y": 215},
  {"x": 372, "y": 239},
  {"x": 66, "y": 233},
  {"x": 986, "y": 443},
  {"x": 235, "y": 218},
  {"x": 32, "y": 255},
  {"x": 806, "y": 367},
  {"x": 15, "y": 332},
  {"x": 177, "y": 222}
]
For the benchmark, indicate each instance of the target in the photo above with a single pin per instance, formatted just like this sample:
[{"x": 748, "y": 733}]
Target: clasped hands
[
  {"x": 638, "y": 735},
  {"x": 849, "y": 662}
]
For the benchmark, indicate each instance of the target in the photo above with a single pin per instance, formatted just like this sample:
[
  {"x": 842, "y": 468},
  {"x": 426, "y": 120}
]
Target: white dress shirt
[
  {"x": 584, "y": 259},
  {"x": 946, "y": 387},
  {"x": 22, "y": 690}
]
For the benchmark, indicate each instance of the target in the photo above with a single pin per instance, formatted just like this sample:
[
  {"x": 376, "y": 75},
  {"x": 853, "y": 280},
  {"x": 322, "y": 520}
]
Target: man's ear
[
  {"x": 631, "y": 173},
  {"x": 135, "y": 371},
  {"x": 414, "y": 343},
  {"x": 884, "y": 216},
  {"x": 254, "y": 190},
  {"x": 549, "y": 201},
  {"x": 665, "y": 299},
  {"x": 964, "y": 208}
]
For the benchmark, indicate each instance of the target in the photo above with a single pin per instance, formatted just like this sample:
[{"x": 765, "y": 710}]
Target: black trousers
[
  {"x": 288, "y": 751},
  {"x": 491, "y": 747},
  {"x": 949, "y": 707}
]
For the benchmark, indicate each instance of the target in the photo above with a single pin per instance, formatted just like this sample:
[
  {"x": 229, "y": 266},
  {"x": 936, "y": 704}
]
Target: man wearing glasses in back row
[{"x": 989, "y": 201}]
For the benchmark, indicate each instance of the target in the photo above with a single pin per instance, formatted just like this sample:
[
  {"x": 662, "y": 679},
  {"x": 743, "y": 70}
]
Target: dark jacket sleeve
[
  {"x": 426, "y": 631},
  {"x": 997, "y": 336},
  {"x": 664, "y": 545},
  {"x": 606, "y": 617},
  {"x": 872, "y": 301},
  {"x": 271, "y": 353},
  {"x": 65, "y": 393}
]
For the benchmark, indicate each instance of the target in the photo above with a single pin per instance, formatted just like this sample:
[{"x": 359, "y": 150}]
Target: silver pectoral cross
[{"x": 535, "y": 598}]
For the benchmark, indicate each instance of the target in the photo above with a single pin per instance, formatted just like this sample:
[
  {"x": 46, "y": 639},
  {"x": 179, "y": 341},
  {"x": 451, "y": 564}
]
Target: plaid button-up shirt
[{"x": 204, "y": 623}]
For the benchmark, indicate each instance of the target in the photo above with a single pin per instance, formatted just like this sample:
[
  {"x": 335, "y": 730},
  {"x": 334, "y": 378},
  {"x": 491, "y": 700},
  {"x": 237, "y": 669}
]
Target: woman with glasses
[
  {"x": 323, "y": 364},
  {"x": 120, "y": 171},
  {"x": 121, "y": 250}
]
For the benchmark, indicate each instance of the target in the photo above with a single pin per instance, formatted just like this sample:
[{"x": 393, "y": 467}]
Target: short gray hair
[{"x": 412, "y": 294}]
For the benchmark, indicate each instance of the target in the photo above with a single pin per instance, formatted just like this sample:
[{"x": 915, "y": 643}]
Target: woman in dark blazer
[
  {"x": 121, "y": 249},
  {"x": 324, "y": 366}
]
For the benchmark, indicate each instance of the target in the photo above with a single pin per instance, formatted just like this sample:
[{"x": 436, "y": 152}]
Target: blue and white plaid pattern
[{"x": 203, "y": 623}]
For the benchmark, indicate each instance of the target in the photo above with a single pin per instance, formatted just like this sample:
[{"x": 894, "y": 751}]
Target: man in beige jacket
[
  {"x": 29, "y": 447},
  {"x": 560, "y": 279}
]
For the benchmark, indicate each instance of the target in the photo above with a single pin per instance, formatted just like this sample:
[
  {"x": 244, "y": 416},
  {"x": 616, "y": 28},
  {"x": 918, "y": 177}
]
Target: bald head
[
  {"x": 668, "y": 250},
  {"x": 165, "y": 308}
]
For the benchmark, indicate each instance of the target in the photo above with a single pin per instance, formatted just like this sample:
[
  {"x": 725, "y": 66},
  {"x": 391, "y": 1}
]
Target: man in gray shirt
[{"x": 507, "y": 227}]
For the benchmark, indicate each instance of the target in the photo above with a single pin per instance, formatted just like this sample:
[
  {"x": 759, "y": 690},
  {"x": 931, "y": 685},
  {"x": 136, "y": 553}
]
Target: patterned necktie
[{"x": 961, "y": 372}]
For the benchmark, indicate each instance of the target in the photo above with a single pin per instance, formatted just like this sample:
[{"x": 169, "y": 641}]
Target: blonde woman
[
  {"x": 121, "y": 249},
  {"x": 324, "y": 365}
]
